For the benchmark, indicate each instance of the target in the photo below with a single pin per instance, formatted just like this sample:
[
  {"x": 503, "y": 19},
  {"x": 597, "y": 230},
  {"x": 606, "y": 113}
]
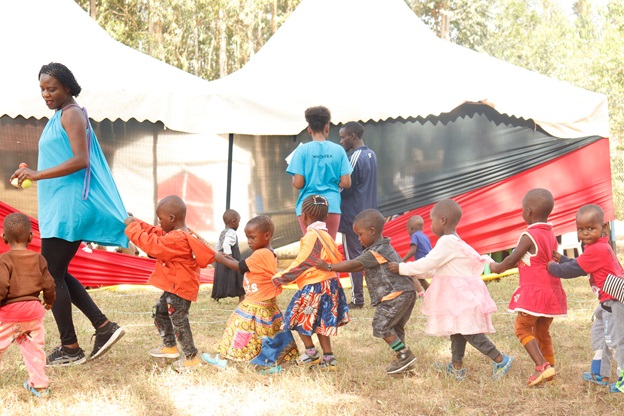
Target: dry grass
[{"x": 127, "y": 381}]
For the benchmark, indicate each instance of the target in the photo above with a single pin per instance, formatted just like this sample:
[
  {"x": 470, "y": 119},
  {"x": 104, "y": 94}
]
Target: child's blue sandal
[
  {"x": 502, "y": 368},
  {"x": 40, "y": 394},
  {"x": 595, "y": 378}
]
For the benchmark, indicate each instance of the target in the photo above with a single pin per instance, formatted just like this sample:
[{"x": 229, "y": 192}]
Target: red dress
[{"x": 539, "y": 292}]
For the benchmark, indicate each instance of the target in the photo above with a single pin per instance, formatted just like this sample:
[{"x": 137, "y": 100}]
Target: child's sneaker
[
  {"x": 305, "y": 359},
  {"x": 63, "y": 357},
  {"x": 37, "y": 393},
  {"x": 184, "y": 364},
  {"x": 105, "y": 337},
  {"x": 215, "y": 360},
  {"x": 595, "y": 378},
  {"x": 269, "y": 370},
  {"x": 614, "y": 388},
  {"x": 403, "y": 362},
  {"x": 459, "y": 375},
  {"x": 502, "y": 368},
  {"x": 165, "y": 352}
]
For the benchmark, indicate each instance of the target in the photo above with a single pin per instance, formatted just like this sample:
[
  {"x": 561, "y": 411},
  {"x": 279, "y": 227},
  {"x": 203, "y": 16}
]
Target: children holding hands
[
  {"x": 23, "y": 276},
  {"x": 391, "y": 294},
  {"x": 253, "y": 331},
  {"x": 179, "y": 256},
  {"x": 540, "y": 296},
  {"x": 598, "y": 260},
  {"x": 319, "y": 306},
  {"x": 457, "y": 302}
]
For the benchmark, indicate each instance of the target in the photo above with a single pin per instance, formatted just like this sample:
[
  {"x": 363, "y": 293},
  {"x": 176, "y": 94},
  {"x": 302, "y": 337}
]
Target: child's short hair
[
  {"x": 229, "y": 215},
  {"x": 317, "y": 118},
  {"x": 541, "y": 200},
  {"x": 370, "y": 218},
  {"x": 173, "y": 204},
  {"x": 263, "y": 223},
  {"x": 416, "y": 221},
  {"x": 449, "y": 209},
  {"x": 316, "y": 206},
  {"x": 17, "y": 228},
  {"x": 354, "y": 127},
  {"x": 595, "y": 210}
]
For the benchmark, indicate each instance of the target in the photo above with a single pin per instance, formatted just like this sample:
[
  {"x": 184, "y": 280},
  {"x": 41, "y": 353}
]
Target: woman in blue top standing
[
  {"x": 320, "y": 167},
  {"x": 78, "y": 201}
]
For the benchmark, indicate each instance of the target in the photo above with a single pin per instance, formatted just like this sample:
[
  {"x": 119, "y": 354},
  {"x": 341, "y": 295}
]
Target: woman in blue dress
[{"x": 78, "y": 201}]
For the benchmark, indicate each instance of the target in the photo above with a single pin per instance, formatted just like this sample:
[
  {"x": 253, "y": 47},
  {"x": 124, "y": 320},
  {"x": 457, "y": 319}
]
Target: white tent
[
  {"x": 118, "y": 82},
  {"x": 374, "y": 60}
]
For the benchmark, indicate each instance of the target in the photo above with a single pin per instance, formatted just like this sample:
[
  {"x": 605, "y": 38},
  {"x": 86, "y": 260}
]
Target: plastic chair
[{"x": 570, "y": 242}]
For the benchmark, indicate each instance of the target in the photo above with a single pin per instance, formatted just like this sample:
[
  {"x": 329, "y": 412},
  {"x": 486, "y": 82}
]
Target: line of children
[
  {"x": 540, "y": 296},
  {"x": 319, "y": 306},
  {"x": 391, "y": 294},
  {"x": 598, "y": 260},
  {"x": 23, "y": 276},
  {"x": 179, "y": 256},
  {"x": 228, "y": 282},
  {"x": 457, "y": 303},
  {"x": 253, "y": 331}
]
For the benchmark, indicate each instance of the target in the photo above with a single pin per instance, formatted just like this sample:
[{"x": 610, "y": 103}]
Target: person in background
[
  {"x": 420, "y": 246},
  {"x": 360, "y": 196},
  {"x": 228, "y": 282},
  {"x": 23, "y": 276},
  {"x": 78, "y": 201},
  {"x": 320, "y": 167}
]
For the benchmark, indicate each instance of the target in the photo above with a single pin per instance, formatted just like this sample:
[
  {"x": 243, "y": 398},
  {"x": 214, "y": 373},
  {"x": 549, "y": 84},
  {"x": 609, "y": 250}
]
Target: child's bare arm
[
  {"x": 410, "y": 253},
  {"x": 524, "y": 245},
  {"x": 343, "y": 266},
  {"x": 419, "y": 288},
  {"x": 227, "y": 261}
]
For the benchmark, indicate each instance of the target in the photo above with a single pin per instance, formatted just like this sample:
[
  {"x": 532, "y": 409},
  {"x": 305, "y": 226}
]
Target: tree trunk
[
  {"x": 93, "y": 10},
  {"x": 444, "y": 32},
  {"x": 222, "y": 46}
]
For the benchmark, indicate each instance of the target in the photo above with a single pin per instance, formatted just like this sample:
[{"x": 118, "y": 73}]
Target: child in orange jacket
[{"x": 179, "y": 256}]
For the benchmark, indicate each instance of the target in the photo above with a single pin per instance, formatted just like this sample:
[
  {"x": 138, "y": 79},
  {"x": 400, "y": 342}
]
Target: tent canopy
[
  {"x": 375, "y": 60},
  {"x": 118, "y": 82}
]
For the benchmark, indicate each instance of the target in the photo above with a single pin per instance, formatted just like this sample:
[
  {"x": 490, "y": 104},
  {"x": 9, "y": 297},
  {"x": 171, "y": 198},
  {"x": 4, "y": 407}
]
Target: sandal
[
  {"x": 595, "y": 378},
  {"x": 547, "y": 373}
]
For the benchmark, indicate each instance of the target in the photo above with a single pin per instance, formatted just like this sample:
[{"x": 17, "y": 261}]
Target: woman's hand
[{"x": 24, "y": 173}]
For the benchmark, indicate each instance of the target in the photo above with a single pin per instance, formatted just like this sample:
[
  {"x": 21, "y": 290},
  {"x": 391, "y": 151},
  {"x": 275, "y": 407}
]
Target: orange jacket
[{"x": 179, "y": 256}]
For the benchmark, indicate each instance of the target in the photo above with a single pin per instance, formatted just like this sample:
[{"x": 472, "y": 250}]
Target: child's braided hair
[{"x": 316, "y": 206}]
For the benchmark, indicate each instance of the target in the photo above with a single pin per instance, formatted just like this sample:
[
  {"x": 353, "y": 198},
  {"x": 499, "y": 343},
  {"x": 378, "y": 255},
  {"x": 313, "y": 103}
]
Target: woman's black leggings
[{"x": 58, "y": 253}]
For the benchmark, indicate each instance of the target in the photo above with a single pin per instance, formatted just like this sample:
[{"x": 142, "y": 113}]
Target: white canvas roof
[
  {"x": 118, "y": 82},
  {"x": 374, "y": 60}
]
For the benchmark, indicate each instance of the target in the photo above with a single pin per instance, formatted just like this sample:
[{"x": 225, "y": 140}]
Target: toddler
[
  {"x": 179, "y": 256},
  {"x": 319, "y": 306},
  {"x": 420, "y": 246},
  {"x": 457, "y": 302},
  {"x": 228, "y": 282},
  {"x": 539, "y": 296},
  {"x": 23, "y": 275},
  {"x": 598, "y": 260},
  {"x": 393, "y": 295},
  {"x": 253, "y": 331}
]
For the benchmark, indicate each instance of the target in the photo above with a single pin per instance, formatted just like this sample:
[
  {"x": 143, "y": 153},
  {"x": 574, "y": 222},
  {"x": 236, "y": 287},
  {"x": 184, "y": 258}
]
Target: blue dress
[{"x": 70, "y": 207}]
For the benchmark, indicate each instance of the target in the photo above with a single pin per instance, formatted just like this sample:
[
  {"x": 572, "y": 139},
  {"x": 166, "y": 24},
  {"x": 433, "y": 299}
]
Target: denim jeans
[{"x": 171, "y": 318}]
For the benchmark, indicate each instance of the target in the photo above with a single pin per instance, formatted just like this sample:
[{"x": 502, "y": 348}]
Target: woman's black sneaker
[
  {"x": 105, "y": 337},
  {"x": 62, "y": 356}
]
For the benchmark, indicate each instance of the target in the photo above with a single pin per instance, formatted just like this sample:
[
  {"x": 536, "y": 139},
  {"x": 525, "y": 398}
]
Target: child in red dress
[{"x": 540, "y": 296}]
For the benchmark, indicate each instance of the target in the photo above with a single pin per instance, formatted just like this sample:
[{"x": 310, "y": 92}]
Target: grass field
[{"x": 127, "y": 381}]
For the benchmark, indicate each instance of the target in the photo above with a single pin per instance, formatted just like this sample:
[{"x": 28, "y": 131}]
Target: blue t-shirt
[
  {"x": 363, "y": 192},
  {"x": 423, "y": 244},
  {"x": 63, "y": 213},
  {"x": 321, "y": 163}
]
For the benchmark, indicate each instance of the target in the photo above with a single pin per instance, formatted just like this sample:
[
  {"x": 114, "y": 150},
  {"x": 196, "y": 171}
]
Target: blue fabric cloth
[
  {"x": 274, "y": 349},
  {"x": 363, "y": 191},
  {"x": 321, "y": 164},
  {"x": 423, "y": 244},
  {"x": 63, "y": 213}
]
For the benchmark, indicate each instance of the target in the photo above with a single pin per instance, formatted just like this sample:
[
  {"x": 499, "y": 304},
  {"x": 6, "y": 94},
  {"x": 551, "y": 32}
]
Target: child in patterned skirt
[
  {"x": 253, "y": 333},
  {"x": 319, "y": 306}
]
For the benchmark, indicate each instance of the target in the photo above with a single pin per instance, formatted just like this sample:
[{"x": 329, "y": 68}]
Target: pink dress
[
  {"x": 539, "y": 293},
  {"x": 457, "y": 301}
]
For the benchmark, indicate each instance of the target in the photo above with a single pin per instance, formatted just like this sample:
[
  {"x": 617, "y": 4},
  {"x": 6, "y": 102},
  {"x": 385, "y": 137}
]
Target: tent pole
[
  {"x": 229, "y": 171},
  {"x": 155, "y": 170}
]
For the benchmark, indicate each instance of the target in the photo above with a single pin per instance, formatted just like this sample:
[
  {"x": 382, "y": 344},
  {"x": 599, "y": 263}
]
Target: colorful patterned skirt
[
  {"x": 253, "y": 334},
  {"x": 318, "y": 308}
]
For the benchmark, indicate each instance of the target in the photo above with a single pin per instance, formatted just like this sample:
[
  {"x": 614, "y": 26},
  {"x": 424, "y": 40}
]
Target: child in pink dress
[
  {"x": 457, "y": 303},
  {"x": 539, "y": 296},
  {"x": 23, "y": 276}
]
